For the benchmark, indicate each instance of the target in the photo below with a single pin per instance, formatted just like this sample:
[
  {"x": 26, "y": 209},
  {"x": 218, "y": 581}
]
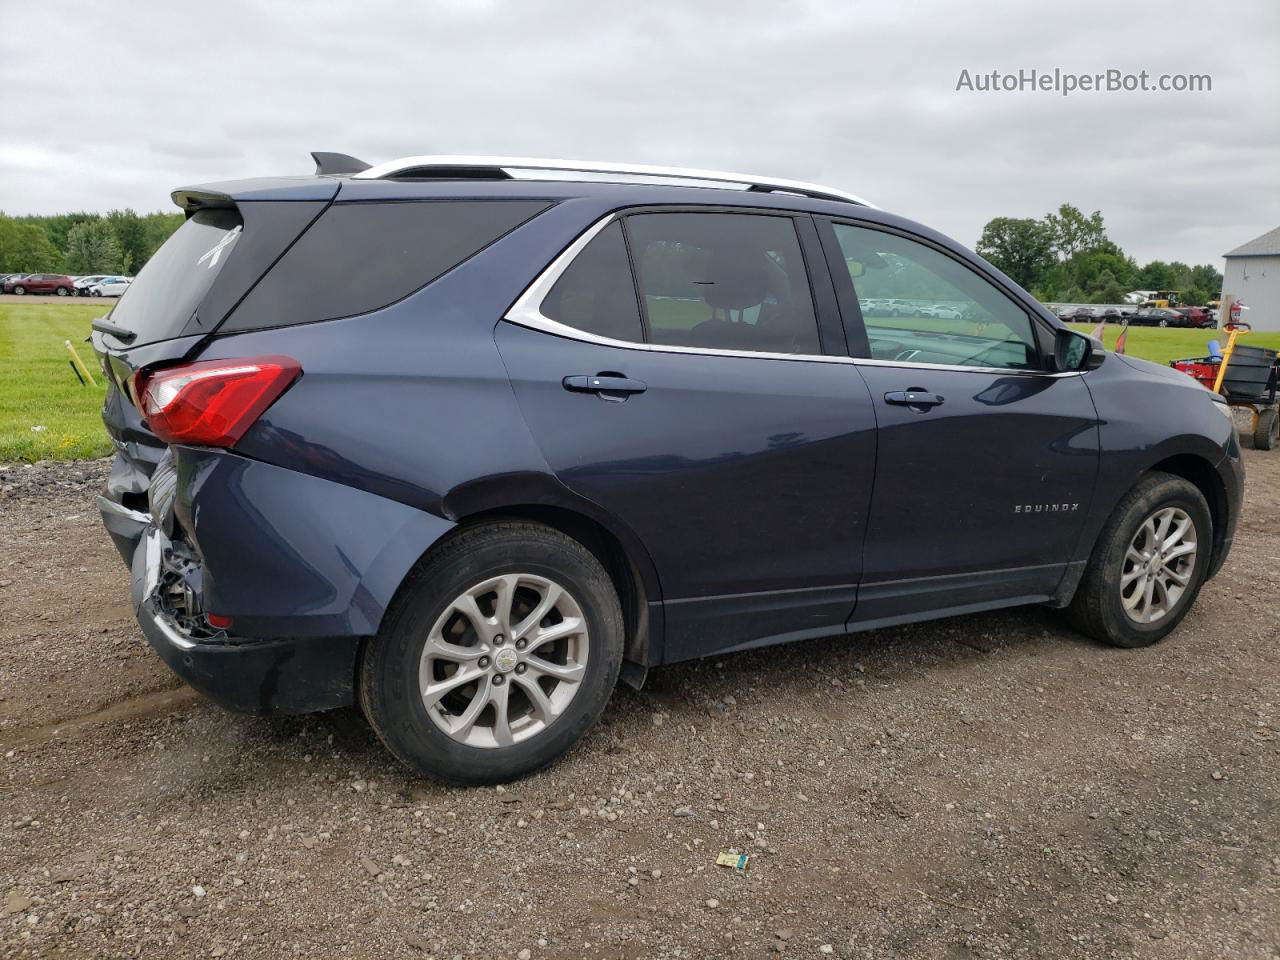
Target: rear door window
[
  {"x": 723, "y": 281},
  {"x": 596, "y": 294}
]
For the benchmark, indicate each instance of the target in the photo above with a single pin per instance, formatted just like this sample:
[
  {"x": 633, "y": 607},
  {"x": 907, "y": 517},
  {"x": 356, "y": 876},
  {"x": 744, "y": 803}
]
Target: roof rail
[{"x": 533, "y": 168}]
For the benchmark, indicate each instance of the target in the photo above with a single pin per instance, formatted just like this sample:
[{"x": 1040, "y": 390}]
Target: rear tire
[
  {"x": 1116, "y": 567},
  {"x": 448, "y": 620},
  {"x": 1266, "y": 432},
  {"x": 63, "y": 291}
]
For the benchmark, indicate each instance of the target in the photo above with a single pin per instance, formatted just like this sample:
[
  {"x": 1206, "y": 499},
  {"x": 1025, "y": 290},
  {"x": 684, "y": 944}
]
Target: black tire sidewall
[
  {"x": 1267, "y": 431},
  {"x": 389, "y": 683},
  {"x": 1120, "y": 629}
]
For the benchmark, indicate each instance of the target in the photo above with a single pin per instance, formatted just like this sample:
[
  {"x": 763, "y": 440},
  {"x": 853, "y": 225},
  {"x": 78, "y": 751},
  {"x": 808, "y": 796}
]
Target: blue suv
[{"x": 465, "y": 440}]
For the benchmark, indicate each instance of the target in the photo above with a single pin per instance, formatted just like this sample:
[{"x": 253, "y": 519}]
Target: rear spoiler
[{"x": 231, "y": 192}]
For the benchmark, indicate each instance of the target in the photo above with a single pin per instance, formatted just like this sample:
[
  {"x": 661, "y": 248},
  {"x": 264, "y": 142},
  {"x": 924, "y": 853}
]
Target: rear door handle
[
  {"x": 913, "y": 398},
  {"x": 604, "y": 385}
]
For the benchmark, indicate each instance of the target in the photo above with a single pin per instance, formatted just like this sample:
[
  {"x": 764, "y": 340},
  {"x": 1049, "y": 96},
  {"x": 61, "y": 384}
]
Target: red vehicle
[
  {"x": 57, "y": 283},
  {"x": 1197, "y": 316}
]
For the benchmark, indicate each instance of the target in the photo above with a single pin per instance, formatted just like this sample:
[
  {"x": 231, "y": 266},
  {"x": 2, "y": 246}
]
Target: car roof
[
  {"x": 606, "y": 195},
  {"x": 593, "y": 198}
]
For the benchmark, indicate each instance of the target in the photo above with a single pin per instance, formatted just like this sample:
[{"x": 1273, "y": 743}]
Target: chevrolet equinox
[{"x": 466, "y": 440}]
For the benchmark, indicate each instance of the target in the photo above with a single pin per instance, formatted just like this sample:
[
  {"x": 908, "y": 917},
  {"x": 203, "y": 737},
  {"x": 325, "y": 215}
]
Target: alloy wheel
[
  {"x": 504, "y": 660},
  {"x": 1158, "y": 565}
]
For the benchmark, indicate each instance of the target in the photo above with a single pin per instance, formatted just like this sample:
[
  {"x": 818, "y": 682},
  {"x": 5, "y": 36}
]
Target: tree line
[
  {"x": 119, "y": 242},
  {"x": 1066, "y": 257}
]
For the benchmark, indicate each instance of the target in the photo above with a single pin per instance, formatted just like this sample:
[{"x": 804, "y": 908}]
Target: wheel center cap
[{"x": 505, "y": 660}]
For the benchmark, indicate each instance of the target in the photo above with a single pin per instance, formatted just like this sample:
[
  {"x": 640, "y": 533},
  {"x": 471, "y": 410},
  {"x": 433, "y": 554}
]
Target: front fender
[{"x": 1149, "y": 415}]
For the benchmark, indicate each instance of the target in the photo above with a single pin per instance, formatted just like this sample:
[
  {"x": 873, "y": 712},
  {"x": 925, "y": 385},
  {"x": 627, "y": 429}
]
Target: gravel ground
[{"x": 991, "y": 786}]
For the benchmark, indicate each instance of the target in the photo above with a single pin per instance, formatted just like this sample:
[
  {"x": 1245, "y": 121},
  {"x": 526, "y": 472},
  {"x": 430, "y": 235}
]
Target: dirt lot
[{"x": 993, "y": 786}]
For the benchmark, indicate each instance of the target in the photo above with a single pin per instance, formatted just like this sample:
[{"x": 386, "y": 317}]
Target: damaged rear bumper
[
  {"x": 280, "y": 676},
  {"x": 301, "y": 568}
]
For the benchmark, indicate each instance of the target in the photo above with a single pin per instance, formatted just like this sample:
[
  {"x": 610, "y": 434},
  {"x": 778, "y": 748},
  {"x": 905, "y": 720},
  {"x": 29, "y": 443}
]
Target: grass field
[
  {"x": 38, "y": 389},
  {"x": 1163, "y": 344}
]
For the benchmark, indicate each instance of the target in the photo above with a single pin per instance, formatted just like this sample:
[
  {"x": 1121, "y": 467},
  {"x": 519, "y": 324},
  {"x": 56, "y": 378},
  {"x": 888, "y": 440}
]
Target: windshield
[{"x": 166, "y": 292}]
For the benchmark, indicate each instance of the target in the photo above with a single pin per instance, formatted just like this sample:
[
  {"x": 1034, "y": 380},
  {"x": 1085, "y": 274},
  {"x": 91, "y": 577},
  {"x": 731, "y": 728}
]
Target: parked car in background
[
  {"x": 57, "y": 283},
  {"x": 1158, "y": 317},
  {"x": 83, "y": 284},
  {"x": 941, "y": 311},
  {"x": 1197, "y": 316},
  {"x": 114, "y": 287},
  {"x": 10, "y": 278},
  {"x": 1111, "y": 315}
]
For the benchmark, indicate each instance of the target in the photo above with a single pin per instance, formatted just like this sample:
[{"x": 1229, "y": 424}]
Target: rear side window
[
  {"x": 723, "y": 281},
  {"x": 359, "y": 257},
  {"x": 596, "y": 294},
  {"x": 168, "y": 289}
]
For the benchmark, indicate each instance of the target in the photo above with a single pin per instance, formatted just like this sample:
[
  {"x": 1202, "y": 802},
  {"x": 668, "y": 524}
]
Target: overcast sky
[{"x": 118, "y": 103}]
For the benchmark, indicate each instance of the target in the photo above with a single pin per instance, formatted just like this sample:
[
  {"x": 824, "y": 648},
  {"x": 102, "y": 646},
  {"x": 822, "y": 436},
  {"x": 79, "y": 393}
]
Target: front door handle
[
  {"x": 609, "y": 386},
  {"x": 913, "y": 398}
]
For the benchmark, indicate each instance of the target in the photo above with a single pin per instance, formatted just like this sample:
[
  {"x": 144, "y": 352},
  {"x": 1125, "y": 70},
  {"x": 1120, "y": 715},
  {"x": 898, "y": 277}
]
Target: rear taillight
[{"x": 212, "y": 403}]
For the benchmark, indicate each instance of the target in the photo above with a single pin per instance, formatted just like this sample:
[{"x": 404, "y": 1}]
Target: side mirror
[{"x": 1074, "y": 351}]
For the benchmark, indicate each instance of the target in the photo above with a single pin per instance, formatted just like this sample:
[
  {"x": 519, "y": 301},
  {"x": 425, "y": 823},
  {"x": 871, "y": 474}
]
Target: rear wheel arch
[{"x": 628, "y": 565}]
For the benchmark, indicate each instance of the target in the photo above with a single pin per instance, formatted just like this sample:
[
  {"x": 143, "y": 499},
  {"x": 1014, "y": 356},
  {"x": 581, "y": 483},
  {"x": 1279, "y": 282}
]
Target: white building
[{"x": 1252, "y": 277}]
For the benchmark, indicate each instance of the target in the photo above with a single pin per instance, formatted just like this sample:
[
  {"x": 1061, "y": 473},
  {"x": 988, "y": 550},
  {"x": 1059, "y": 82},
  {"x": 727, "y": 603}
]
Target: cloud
[{"x": 138, "y": 99}]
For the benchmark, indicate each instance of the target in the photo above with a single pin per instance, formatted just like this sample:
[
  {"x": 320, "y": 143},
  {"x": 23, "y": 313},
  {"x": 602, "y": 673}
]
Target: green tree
[
  {"x": 1021, "y": 247},
  {"x": 58, "y": 226},
  {"x": 158, "y": 227},
  {"x": 25, "y": 248},
  {"x": 131, "y": 234},
  {"x": 1073, "y": 231},
  {"x": 92, "y": 248}
]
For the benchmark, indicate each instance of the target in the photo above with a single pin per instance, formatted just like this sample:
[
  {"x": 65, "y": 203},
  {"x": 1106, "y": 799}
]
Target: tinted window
[
  {"x": 723, "y": 281},
  {"x": 922, "y": 306},
  {"x": 167, "y": 290},
  {"x": 361, "y": 256},
  {"x": 596, "y": 293}
]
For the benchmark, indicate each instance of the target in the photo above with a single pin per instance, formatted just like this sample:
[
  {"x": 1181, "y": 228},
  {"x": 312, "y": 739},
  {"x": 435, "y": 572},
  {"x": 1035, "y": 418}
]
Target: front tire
[
  {"x": 63, "y": 291},
  {"x": 20, "y": 290},
  {"x": 499, "y": 653},
  {"x": 1148, "y": 564}
]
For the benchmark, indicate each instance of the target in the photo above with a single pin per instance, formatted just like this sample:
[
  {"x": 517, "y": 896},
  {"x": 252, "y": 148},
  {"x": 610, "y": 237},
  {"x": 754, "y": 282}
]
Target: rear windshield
[{"x": 168, "y": 289}]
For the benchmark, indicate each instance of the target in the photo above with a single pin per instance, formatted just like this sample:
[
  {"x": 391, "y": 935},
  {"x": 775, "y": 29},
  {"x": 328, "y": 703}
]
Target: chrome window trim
[
  {"x": 961, "y": 368},
  {"x": 527, "y": 312},
  {"x": 538, "y": 168}
]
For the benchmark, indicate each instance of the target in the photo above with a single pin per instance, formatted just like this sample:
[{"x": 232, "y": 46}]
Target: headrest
[{"x": 734, "y": 279}]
